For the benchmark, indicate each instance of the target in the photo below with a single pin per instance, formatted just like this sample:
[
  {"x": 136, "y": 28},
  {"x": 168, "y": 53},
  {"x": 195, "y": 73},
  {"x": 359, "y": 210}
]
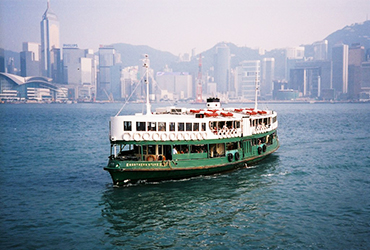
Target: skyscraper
[
  {"x": 356, "y": 55},
  {"x": 340, "y": 68},
  {"x": 222, "y": 68},
  {"x": 49, "y": 40},
  {"x": 106, "y": 62},
  {"x": 267, "y": 76}
]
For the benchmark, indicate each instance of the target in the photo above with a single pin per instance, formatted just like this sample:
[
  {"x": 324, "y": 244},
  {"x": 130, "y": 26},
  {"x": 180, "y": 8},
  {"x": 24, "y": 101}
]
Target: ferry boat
[{"x": 177, "y": 143}]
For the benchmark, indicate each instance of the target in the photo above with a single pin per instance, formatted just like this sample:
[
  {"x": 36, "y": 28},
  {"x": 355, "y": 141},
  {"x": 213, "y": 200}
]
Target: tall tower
[
  {"x": 340, "y": 68},
  {"x": 49, "y": 40}
]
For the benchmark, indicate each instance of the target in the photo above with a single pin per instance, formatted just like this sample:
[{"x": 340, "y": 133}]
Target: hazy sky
[{"x": 178, "y": 26}]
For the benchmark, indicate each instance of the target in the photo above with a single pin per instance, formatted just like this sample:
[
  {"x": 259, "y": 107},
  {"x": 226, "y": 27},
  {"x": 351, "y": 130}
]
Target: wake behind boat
[{"x": 175, "y": 143}]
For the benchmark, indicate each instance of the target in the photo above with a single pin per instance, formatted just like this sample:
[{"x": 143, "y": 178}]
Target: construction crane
[{"x": 199, "y": 82}]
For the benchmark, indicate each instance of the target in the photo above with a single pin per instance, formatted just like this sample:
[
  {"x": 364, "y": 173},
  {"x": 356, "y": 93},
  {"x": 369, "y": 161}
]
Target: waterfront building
[
  {"x": 49, "y": 40},
  {"x": 340, "y": 69},
  {"x": 267, "y": 77},
  {"x": 34, "y": 88},
  {"x": 247, "y": 74},
  {"x": 222, "y": 68},
  {"x": 365, "y": 81}
]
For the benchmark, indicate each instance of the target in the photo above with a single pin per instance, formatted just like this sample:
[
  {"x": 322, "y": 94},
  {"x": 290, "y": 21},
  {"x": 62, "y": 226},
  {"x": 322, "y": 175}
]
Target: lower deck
[{"x": 180, "y": 159}]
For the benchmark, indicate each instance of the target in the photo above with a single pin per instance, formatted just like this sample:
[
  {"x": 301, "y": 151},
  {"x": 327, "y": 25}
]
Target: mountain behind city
[{"x": 132, "y": 54}]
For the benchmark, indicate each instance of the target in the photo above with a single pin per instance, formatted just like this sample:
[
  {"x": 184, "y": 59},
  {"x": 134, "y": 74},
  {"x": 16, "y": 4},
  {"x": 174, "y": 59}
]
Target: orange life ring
[{"x": 150, "y": 158}]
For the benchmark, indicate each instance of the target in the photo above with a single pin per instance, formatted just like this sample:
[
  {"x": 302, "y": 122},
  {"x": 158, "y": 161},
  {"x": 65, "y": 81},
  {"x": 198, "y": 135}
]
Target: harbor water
[{"x": 314, "y": 192}]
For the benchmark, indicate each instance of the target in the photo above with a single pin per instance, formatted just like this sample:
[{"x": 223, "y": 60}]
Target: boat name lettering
[{"x": 142, "y": 164}]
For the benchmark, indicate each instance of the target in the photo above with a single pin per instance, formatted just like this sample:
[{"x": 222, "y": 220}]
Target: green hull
[{"x": 189, "y": 165}]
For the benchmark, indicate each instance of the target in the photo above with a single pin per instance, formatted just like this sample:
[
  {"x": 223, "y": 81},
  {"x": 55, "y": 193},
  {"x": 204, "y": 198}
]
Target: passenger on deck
[{"x": 174, "y": 151}]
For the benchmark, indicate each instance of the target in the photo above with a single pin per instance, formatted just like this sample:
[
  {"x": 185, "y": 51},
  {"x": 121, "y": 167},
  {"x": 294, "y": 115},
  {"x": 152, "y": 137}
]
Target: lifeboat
[
  {"x": 211, "y": 114},
  {"x": 226, "y": 114},
  {"x": 195, "y": 111},
  {"x": 262, "y": 112},
  {"x": 238, "y": 110}
]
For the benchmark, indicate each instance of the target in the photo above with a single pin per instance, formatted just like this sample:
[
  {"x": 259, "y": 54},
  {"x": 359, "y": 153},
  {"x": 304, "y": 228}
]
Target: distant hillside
[
  {"x": 355, "y": 33},
  {"x": 132, "y": 55}
]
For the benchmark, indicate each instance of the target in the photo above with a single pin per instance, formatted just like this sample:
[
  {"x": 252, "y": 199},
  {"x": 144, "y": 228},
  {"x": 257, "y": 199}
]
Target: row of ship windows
[{"x": 161, "y": 126}]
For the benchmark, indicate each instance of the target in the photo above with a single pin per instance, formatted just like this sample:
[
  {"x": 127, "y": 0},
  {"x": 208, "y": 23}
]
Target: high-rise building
[
  {"x": 292, "y": 55},
  {"x": 79, "y": 71},
  {"x": 222, "y": 68},
  {"x": 340, "y": 68},
  {"x": 356, "y": 55},
  {"x": 30, "y": 59},
  {"x": 267, "y": 77},
  {"x": 248, "y": 75},
  {"x": 49, "y": 40},
  {"x": 106, "y": 62},
  {"x": 320, "y": 50},
  {"x": 310, "y": 78},
  {"x": 2, "y": 60}
]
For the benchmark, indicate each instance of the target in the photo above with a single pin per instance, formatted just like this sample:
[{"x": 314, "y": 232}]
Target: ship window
[
  {"x": 161, "y": 126},
  {"x": 127, "y": 125},
  {"x": 196, "y": 127},
  {"x": 229, "y": 124},
  {"x": 203, "y": 126},
  {"x": 188, "y": 126},
  {"x": 237, "y": 124},
  {"x": 172, "y": 126},
  {"x": 140, "y": 126},
  {"x": 232, "y": 145},
  {"x": 180, "y": 126},
  {"x": 152, "y": 126},
  {"x": 198, "y": 149}
]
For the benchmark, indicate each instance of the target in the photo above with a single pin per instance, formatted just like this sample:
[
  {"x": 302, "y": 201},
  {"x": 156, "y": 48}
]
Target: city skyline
[{"x": 179, "y": 27}]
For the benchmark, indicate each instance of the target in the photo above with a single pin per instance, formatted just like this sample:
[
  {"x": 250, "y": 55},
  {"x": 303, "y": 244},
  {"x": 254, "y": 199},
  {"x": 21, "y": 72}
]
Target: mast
[
  {"x": 146, "y": 66},
  {"x": 255, "y": 97}
]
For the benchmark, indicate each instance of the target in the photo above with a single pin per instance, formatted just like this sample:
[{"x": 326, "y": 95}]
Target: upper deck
[{"x": 183, "y": 124}]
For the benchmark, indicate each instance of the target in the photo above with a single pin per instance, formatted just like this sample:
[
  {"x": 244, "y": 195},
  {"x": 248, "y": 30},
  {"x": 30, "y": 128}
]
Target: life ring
[
  {"x": 230, "y": 157},
  {"x": 126, "y": 137},
  {"x": 155, "y": 136},
  {"x": 146, "y": 136},
  {"x": 164, "y": 137},
  {"x": 228, "y": 134},
  {"x": 137, "y": 136},
  {"x": 264, "y": 147},
  {"x": 150, "y": 158},
  {"x": 172, "y": 136},
  {"x": 237, "y": 156},
  {"x": 161, "y": 158},
  {"x": 259, "y": 149},
  {"x": 193, "y": 136},
  {"x": 180, "y": 136},
  {"x": 187, "y": 136}
]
